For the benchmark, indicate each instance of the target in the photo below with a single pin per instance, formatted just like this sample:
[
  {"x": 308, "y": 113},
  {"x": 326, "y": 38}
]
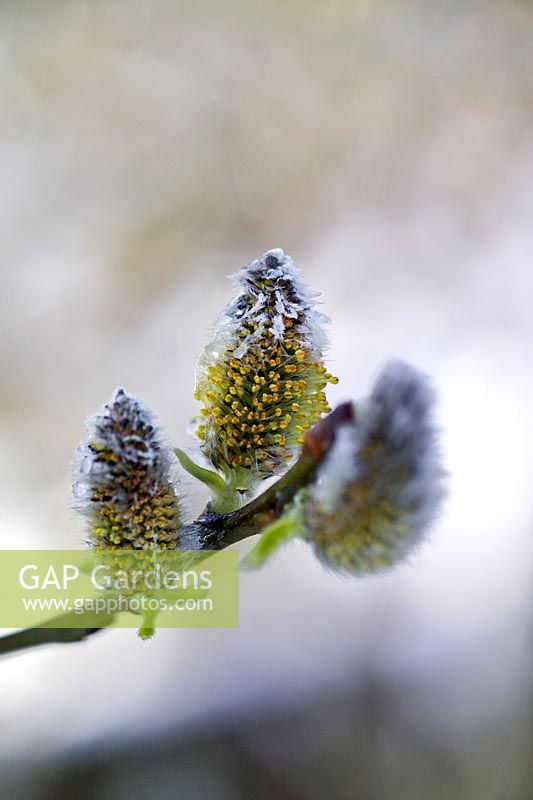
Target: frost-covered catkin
[
  {"x": 261, "y": 381},
  {"x": 381, "y": 485},
  {"x": 123, "y": 480}
]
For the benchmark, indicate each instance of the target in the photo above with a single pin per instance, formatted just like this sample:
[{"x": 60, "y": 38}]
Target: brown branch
[
  {"x": 217, "y": 531},
  {"x": 214, "y": 531},
  {"x": 33, "y": 637}
]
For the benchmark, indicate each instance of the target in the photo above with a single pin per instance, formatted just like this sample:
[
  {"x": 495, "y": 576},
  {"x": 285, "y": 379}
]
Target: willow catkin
[
  {"x": 123, "y": 481},
  {"x": 381, "y": 484},
  {"x": 262, "y": 379}
]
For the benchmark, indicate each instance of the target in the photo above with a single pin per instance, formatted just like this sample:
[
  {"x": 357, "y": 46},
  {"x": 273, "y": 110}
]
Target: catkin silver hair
[
  {"x": 381, "y": 484},
  {"x": 123, "y": 480}
]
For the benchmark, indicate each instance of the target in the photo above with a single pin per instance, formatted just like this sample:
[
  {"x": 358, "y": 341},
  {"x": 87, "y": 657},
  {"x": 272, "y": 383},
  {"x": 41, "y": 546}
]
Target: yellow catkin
[
  {"x": 264, "y": 387},
  {"x": 123, "y": 482}
]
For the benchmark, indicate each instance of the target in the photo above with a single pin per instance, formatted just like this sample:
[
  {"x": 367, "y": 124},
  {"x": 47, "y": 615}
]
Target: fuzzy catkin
[
  {"x": 381, "y": 485},
  {"x": 123, "y": 480},
  {"x": 261, "y": 380}
]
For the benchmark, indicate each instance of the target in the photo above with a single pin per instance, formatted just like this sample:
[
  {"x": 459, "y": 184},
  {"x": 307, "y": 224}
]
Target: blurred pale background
[{"x": 147, "y": 150}]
